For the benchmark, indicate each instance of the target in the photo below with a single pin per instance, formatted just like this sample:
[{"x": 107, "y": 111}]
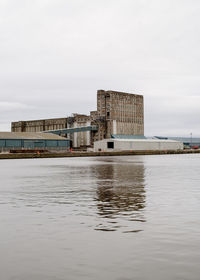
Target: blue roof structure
[
  {"x": 185, "y": 140},
  {"x": 72, "y": 130},
  {"x": 126, "y": 136}
]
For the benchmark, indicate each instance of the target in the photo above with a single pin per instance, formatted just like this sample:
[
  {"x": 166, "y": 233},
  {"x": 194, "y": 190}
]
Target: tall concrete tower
[{"x": 123, "y": 113}]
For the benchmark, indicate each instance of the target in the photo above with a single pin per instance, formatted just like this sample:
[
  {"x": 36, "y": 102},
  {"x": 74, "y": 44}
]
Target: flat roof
[
  {"x": 101, "y": 91},
  {"x": 137, "y": 140},
  {"x": 30, "y": 135},
  {"x": 39, "y": 120},
  {"x": 186, "y": 139},
  {"x": 126, "y": 136}
]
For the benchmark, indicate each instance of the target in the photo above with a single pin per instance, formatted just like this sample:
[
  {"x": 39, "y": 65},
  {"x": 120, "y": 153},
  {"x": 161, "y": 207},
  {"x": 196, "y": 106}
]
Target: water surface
[{"x": 129, "y": 217}]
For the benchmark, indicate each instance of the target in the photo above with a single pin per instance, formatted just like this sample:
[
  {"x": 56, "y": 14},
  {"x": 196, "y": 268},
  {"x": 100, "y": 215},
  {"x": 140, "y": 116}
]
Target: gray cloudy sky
[{"x": 55, "y": 54}]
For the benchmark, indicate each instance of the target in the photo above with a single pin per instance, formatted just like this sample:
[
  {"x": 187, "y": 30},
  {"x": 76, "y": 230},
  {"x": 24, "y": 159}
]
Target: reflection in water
[
  {"x": 120, "y": 194},
  {"x": 54, "y": 212},
  {"x": 110, "y": 190}
]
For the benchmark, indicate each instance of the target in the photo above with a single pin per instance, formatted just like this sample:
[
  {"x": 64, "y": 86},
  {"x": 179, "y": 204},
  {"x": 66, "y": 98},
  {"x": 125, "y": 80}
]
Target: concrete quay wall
[{"x": 94, "y": 154}]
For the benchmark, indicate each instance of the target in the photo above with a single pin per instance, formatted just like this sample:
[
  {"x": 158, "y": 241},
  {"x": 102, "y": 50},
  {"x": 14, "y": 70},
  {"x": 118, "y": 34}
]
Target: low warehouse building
[
  {"x": 116, "y": 145},
  {"x": 28, "y": 141}
]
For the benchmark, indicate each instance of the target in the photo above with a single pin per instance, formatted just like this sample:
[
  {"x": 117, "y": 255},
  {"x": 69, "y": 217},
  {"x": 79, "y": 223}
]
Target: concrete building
[
  {"x": 123, "y": 113},
  {"x": 80, "y": 139},
  {"x": 28, "y": 140},
  {"x": 117, "y": 113},
  {"x": 115, "y": 145}
]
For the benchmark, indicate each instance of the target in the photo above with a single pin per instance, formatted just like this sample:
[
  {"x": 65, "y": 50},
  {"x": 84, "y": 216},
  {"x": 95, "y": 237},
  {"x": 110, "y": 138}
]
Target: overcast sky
[{"x": 55, "y": 55}]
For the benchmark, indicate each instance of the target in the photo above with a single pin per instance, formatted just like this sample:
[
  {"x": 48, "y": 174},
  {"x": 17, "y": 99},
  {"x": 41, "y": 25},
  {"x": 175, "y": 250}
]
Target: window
[{"x": 110, "y": 145}]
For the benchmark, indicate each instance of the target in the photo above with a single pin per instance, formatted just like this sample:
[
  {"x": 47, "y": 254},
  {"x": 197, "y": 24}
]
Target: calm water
[{"x": 100, "y": 218}]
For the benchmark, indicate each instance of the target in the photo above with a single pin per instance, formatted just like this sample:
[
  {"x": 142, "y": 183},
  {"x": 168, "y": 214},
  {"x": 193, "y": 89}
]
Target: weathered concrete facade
[
  {"x": 81, "y": 139},
  {"x": 123, "y": 113},
  {"x": 39, "y": 125},
  {"x": 117, "y": 113}
]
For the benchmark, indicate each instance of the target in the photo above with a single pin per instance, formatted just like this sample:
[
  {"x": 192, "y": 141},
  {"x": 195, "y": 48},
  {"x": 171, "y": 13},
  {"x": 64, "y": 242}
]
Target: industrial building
[
  {"x": 58, "y": 126},
  {"x": 117, "y": 113},
  {"x": 123, "y": 113},
  {"x": 116, "y": 145},
  {"x": 188, "y": 142},
  {"x": 26, "y": 140}
]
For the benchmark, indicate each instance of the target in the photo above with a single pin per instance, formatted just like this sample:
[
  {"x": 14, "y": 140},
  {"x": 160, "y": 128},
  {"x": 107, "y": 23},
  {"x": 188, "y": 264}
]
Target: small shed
[
  {"x": 28, "y": 140},
  {"x": 115, "y": 145}
]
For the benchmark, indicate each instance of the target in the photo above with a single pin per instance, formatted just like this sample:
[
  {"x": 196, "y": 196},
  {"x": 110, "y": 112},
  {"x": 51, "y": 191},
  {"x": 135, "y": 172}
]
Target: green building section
[{"x": 23, "y": 140}]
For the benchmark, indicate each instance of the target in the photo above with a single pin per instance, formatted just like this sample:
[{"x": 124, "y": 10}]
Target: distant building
[
  {"x": 117, "y": 145},
  {"x": 29, "y": 140},
  {"x": 118, "y": 113},
  {"x": 80, "y": 139},
  {"x": 123, "y": 113},
  {"x": 187, "y": 141}
]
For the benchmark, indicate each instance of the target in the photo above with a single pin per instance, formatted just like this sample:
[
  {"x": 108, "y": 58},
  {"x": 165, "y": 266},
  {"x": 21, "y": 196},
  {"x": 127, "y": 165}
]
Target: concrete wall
[
  {"x": 123, "y": 112},
  {"x": 137, "y": 145},
  {"x": 39, "y": 125},
  {"x": 81, "y": 139}
]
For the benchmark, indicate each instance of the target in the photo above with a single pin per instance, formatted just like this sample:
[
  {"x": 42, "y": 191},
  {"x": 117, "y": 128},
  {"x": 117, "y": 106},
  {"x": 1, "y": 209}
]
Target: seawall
[{"x": 93, "y": 154}]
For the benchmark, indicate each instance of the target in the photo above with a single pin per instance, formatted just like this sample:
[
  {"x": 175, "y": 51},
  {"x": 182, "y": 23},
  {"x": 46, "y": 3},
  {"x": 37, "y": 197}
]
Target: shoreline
[{"x": 93, "y": 154}]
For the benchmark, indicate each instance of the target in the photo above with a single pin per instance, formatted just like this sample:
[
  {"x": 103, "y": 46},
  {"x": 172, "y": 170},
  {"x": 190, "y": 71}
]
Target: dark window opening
[
  {"x": 110, "y": 145},
  {"x": 108, "y": 114}
]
